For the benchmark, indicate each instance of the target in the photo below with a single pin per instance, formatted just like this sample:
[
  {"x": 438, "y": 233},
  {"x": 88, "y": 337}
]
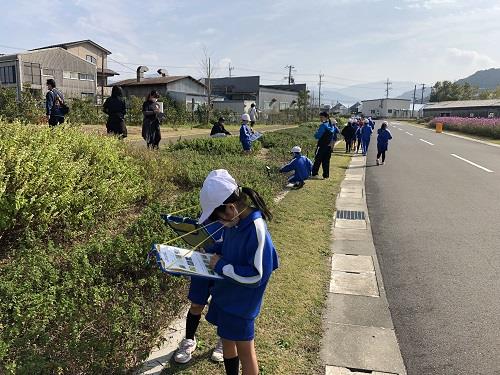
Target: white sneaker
[
  {"x": 217, "y": 354},
  {"x": 185, "y": 351},
  {"x": 378, "y": 162},
  {"x": 383, "y": 162}
]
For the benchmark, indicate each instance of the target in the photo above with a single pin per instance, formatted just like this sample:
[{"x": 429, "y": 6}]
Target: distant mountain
[
  {"x": 375, "y": 90},
  {"x": 330, "y": 96},
  {"x": 418, "y": 96},
  {"x": 484, "y": 79}
]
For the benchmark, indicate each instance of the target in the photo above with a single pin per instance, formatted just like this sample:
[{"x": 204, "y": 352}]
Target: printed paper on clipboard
[{"x": 179, "y": 261}]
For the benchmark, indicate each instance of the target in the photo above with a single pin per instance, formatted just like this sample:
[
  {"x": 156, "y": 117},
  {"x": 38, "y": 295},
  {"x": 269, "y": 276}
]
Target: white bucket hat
[
  {"x": 245, "y": 117},
  {"x": 217, "y": 187},
  {"x": 296, "y": 149}
]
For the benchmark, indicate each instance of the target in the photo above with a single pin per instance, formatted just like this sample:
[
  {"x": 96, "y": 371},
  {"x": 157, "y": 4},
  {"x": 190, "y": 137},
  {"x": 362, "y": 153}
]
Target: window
[
  {"x": 91, "y": 59},
  {"x": 85, "y": 77},
  {"x": 48, "y": 72},
  {"x": 283, "y": 106},
  {"x": 267, "y": 104},
  {"x": 66, "y": 74},
  {"x": 389, "y": 111},
  {"x": 32, "y": 73},
  {"x": 86, "y": 95},
  {"x": 8, "y": 74},
  {"x": 73, "y": 75},
  {"x": 372, "y": 112}
]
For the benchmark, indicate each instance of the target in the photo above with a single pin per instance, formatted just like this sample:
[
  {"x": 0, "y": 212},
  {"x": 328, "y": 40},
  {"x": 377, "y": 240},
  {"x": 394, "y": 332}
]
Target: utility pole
[
  {"x": 387, "y": 88},
  {"x": 289, "y": 67},
  {"x": 414, "y": 94},
  {"x": 231, "y": 68},
  {"x": 319, "y": 91},
  {"x": 209, "y": 91},
  {"x": 423, "y": 89}
]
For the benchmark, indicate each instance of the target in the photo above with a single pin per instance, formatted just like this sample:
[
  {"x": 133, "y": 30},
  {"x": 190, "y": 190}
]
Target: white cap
[
  {"x": 217, "y": 187},
  {"x": 245, "y": 117},
  {"x": 296, "y": 149},
  {"x": 385, "y": 122},
  {"x": 366, "y": 121}
]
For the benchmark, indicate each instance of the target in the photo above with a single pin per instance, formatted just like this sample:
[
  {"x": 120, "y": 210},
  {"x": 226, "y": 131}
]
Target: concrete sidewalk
[{"x": 359, "y": 335}]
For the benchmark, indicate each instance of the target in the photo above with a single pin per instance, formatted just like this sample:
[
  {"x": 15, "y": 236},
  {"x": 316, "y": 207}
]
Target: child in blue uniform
[
  {"x": 246, "y": 259},
  {"x": 301, "y": 165},
  {"x": 246, "y": 133},
  {"x": 366, "y": 133},
  {"x": 383, "y": 138}
]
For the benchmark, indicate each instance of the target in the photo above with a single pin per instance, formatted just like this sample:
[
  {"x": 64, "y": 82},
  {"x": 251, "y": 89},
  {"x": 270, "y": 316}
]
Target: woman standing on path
[
  {"x": 151, "y": 122},
  {"x": 114, "y": 107},
  {"x": 383, "y": 138}
]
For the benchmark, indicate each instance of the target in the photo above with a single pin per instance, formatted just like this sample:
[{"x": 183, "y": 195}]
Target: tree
[
  {"x": 208, "y": 70},
  {"x": 302, "y": 104},
  {"x": 452, "y": 91}
]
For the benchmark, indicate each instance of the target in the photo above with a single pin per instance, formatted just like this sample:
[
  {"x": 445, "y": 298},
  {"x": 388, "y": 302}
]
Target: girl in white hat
[{"x": 246, "y": 258}]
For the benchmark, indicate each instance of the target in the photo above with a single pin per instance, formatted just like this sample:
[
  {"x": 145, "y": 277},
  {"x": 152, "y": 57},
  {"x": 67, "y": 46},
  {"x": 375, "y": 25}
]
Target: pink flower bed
[{"x": 488, "y": 127}]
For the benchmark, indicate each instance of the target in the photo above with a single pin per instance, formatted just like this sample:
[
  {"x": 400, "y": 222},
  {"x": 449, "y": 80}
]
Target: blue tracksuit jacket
[
  {"x": 383, "y": 138},
  {"x": 246, "y": 136},
  {"x": 302, "y": 167},
  {"x": 248, "y": 258},
  {"x": 366, "y": 132}
]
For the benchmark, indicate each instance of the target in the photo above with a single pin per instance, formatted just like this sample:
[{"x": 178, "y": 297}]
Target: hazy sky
[{"x": 350, "y": 41}]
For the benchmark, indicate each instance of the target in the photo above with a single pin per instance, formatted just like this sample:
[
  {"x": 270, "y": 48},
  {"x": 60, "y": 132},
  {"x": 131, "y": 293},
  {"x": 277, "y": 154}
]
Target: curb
[{"x": 359, "y": 334}]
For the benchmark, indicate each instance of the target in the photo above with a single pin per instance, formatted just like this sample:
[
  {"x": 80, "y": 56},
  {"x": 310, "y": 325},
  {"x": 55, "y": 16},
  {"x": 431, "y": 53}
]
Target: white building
[{"x": 386, "y": 107}]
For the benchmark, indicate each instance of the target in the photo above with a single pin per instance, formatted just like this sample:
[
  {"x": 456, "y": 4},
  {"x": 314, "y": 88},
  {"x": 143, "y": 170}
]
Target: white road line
[
  {"x": 409, "y": 134},
  {"x": 429, "y": 143},
  {"x": 472, "y": 163},
  {"x": 400, "y": 129}
]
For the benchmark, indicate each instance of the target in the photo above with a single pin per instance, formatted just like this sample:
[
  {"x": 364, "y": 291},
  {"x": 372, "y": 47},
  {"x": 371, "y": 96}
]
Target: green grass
[{"x": 288, "y": 330}]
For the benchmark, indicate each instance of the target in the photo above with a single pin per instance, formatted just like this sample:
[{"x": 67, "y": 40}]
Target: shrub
[
  {"x": 61, "y": 180},
  {"x": 95, "y": 307}
]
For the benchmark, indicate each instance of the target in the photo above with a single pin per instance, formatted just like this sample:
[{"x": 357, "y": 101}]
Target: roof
[
  {"x": 108, "y": 72},
  {"x": 338, "y": 105},
  {"x": 373, "y": 100},
  {"x": 71, "y": 44},
  {"x": 464, "y": 104},
  {"x": 154, "y": 81}
]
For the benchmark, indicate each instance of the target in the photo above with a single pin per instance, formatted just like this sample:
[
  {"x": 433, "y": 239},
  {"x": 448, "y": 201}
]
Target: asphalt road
[{"x": 436, "y": 227}]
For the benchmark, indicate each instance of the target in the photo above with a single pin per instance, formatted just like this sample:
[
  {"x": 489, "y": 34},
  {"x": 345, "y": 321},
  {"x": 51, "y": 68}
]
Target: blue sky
[{"x": 350, "y": 41}]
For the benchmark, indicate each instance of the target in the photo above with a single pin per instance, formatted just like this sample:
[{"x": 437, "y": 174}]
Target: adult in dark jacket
[
  {"x": 54, "y": 99},
  {"x": 383, "y": 138},
  {"x": 218, "y": 129},
  {"x": 349, "y": 134},
  {"x": 151, "y": 122},
  {"x": 114, "y": 107},
  {"x": 326, "y": 135}
]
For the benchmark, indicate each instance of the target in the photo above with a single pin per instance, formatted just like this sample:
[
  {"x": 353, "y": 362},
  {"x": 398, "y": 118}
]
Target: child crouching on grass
[{"x": 246, "y": 259}]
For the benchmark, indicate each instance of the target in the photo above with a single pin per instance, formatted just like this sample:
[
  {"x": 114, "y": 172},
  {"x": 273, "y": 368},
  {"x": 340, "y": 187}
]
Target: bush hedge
[{"x": 77, "y": 296}]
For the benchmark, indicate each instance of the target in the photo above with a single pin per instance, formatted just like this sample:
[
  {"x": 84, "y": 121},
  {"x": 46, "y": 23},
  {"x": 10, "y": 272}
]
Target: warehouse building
[
  {"x": 386, "y": 107},
  {"x": 464, "y": 108}
]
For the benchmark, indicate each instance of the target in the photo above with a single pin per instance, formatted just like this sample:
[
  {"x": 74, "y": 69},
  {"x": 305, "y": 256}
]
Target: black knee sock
[
  {"x": 232, "y": 366},
  {"x": 192, "y": 322}
]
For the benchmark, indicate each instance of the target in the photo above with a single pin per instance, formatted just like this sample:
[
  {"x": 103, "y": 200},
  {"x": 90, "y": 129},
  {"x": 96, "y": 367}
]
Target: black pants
[
  {"x": 55, "y": 120},
  {"x": 348, "y": 145},
  {"x": 358, "y": 145},
  {"x": 116, "y": 126},
  {"x": 322, "y": 157},
  {"x": 381, "y": 152}
]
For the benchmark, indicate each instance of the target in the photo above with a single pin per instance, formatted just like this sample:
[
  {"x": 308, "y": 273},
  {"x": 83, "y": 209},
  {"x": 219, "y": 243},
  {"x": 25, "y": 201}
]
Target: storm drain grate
[{"x": 350, "y": 215}]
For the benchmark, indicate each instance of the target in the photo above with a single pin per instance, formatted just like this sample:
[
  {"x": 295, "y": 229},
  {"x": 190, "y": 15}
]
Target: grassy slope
[{"x": 289, "y": 328}]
